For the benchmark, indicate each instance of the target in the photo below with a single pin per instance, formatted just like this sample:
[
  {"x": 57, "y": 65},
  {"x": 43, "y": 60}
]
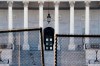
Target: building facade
[{"x": 71, "y": 17}]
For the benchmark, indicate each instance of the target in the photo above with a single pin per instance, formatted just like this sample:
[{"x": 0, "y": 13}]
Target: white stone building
[{"x": 67, "y": 17}]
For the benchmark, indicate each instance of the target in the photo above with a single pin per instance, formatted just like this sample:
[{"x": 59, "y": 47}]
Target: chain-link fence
[
  {"x": 76, "y": 50},
  {"x": 22, "y": 47}
]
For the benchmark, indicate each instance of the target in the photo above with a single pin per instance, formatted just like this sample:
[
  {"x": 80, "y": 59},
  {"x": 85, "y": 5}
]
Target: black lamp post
[{"x": 48, "y": 16}]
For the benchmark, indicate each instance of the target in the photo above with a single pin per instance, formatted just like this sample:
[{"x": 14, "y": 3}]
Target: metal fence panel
[
  {"x": 11, "y": 47},
  {"x": 77, "y": 57}
]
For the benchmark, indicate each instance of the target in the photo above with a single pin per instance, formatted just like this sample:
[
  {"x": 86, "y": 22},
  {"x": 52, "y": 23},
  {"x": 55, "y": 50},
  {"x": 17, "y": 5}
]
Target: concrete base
[
  {"x": 71, "y": 47},
  {"x": 26, "y": 47},
  {"x": 49, "y": 58}
]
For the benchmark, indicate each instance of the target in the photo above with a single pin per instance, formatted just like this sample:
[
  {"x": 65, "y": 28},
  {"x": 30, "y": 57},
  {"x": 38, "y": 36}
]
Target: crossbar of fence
[
  {"x": 76, "y": 35},
  {"x": 19, "y": 30}
]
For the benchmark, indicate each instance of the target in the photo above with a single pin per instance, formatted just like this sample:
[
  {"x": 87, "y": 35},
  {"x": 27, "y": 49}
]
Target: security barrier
[
  {"x": 76, "y": 50},
  {"x": 14, "y": 44}
]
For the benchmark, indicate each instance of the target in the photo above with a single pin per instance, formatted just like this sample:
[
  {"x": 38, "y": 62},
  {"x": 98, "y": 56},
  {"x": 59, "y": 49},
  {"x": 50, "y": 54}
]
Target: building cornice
[{"x": 49, "y": 0}]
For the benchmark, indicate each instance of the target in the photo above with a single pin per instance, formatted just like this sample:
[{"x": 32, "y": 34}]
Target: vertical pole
[
  {"x": 55, "y": 52},
  {"x": 56, "y": 31},
  {"x": 41, "y": 44},
  {"x": 72, "y": 45},
  {"x": 87, "y": 28},
  {"x": 10, "y": 24},
  {"x": 57, "y": 20},
  {"x": 41, "y": 14},
  {"x": 40, "y": 19},
  {"x": 25, "y": 45},
  {"x": 10, "y": 21},
  {"x": 19, "y": 49},
  {"x": 42, "y": 48},
  {"x": 56, "y": 17}
]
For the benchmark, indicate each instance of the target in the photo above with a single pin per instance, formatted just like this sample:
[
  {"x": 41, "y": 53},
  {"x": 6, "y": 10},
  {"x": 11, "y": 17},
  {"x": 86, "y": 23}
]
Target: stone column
[
  {"x": 87, "y": 20},
  {"x": 40, "y": 21},
  {"x": 10, "y": 21},
  {"x": 26, "y": 45},
  {"x": 41, "y": 14},
  {"x": 56, "y": 17},
  {"x": 57, "y": 20},
  {"x": 71, "y": 45}
]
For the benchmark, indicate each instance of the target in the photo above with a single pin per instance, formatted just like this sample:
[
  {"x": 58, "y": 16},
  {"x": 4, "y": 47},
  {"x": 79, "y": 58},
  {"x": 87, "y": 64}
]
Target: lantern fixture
[{"x": 48, "y": 18}]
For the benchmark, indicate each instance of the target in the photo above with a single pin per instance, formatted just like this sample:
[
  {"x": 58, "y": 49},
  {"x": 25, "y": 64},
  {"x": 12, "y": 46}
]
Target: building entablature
[{"x": 49, "y": 0}]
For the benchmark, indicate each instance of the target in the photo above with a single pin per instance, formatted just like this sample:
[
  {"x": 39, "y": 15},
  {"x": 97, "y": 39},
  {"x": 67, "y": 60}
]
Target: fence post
[
  {"x": 55, "y": 50},
  {"x": 42, "y": 47},
  {"x": 19, "y": 49}
]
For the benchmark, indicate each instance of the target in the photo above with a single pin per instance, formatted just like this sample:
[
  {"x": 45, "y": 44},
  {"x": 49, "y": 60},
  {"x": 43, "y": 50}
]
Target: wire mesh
[
  {"x": 11, "y": 47},
  {"x": 4, "y": 45},
  {"x": 73, "y": 50}
]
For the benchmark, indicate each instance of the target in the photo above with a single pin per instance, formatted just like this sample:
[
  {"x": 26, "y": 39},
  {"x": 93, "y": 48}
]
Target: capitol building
[{"x": 49, "y": 32}]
